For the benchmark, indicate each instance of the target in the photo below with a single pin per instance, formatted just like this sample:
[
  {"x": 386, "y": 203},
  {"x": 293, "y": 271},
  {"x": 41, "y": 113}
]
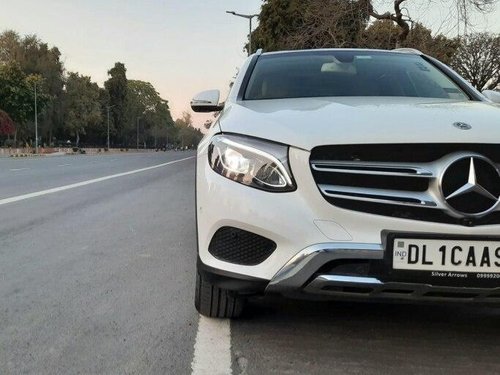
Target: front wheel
[{"x": 216, "y": 302}]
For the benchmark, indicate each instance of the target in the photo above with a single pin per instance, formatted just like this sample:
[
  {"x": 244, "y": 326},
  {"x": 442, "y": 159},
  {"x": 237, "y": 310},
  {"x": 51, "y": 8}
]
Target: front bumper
[
  {"x": 302, "y": 276},
  {"x": 310, "y": 233}
]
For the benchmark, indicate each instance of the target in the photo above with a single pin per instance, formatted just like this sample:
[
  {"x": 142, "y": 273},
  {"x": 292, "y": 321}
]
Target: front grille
[
  {"x": 238, "y": 246},
  {"x": 392, "y": 180},
  {"x": 404, "y": 152}
]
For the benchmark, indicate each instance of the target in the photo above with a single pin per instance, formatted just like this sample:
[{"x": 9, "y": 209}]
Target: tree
[
  {"x": 478, "y": 60},
  {"x": 10, "y": 42},
  {"x": 36, "y": 58},
  {"x": 383, "y": 34},
  {"x": 16, "y": 97},
  {"x": 402, "y": 20},
  {"x": 17, "y": 94},
  {"x": 336, "y": 23},
  {"x": 6, "y": 124},
  {"x": 82, "y": 107},
  {"x": 145, "y": 103},
  {"x": 298, "y": 24},
  {"x": 277, "y": 19},
  {"x": 293, "y": 24},
  {"x": 116, "y": 86},
  {"x": 163, "y": 130},
  {"x": 438, "y": 46},
  {"x": 187, "y": 134}
]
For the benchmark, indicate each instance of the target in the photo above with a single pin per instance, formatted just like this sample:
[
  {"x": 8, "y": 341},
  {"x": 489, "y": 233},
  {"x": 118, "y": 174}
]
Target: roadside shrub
[{"x": 9, "y": 143}]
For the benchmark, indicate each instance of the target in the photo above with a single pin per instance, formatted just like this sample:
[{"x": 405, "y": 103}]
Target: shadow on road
[{"x": 288, "y": 336}]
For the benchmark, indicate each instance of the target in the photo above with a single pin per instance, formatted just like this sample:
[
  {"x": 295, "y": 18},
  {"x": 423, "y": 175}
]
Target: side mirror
[
  {"x": 207, "y": 101},
  {"x": 494, "y": 96}
]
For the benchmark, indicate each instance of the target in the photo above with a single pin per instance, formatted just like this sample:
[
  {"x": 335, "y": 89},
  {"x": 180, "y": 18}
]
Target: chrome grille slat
[
  {"x": 405, "y": 180},
  {"x": 395, "y": 197},
  {"x": 380, "y": 169}
]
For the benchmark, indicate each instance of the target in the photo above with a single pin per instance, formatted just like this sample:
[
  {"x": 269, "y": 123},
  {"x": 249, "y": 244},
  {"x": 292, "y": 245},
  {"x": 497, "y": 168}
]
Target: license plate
[{"x": 446, "y": 255}]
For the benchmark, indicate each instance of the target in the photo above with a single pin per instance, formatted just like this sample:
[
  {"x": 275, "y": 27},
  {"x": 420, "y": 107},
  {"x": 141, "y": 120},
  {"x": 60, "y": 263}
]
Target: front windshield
[{"x": 348, "y": 73}]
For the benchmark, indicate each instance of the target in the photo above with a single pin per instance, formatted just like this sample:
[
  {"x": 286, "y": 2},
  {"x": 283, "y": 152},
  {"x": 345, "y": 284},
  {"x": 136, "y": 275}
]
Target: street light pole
[
  {"x": 137, "y": 133},
  {"x": 36, "y": 124},
  {"x": 250, "y": 36},
  {"x": 108, "y": 107},
  {"x": 249, "y": 18}
]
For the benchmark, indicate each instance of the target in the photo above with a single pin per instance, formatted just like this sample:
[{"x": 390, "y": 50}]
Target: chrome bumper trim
[
  {"x": 303, "y": 265},
  {"x": 347, "y": 279},
  {"x": 368, "y": 287}
]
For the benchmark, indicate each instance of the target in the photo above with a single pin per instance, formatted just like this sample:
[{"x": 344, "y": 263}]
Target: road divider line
[
  {"x": 212, "y": 349},
  {"x": 18, "y": 169},
  {"x": 85, "y": 183}
]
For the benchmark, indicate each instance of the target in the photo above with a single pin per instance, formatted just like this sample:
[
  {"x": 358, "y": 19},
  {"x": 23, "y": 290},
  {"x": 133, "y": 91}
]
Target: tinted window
[{"x": 348, "y": 73}]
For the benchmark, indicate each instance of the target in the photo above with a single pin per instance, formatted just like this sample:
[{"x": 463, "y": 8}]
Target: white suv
[{"x": 346, "y": 173}]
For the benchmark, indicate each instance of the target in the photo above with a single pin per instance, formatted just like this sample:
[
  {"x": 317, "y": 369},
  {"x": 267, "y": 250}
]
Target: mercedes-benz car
[{"x": 348, "y": 173}]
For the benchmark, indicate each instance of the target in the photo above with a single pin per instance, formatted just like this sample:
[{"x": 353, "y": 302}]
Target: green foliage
[
  {"x": 187, "y": 135},
  {"x": 96, "y": 132},
  {"x": 116, "y": 86},
  {"x": 17, "y": 93},
  {"x": 72, "y": 105},
  {"x": 82, "y": 107},
  {"x": 146, "y": 107},
  {"x": 143, "y": 99},
  {"x": 36, "y": 58},
  {"x": 277, "y": 19}
]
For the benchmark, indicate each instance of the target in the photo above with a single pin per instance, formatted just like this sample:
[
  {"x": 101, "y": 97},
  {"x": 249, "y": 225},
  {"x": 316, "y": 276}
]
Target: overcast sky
[{"x": 180, "y": 46}]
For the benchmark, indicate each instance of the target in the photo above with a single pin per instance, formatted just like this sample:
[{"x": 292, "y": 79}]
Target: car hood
[{"x": 306, "y": 123}]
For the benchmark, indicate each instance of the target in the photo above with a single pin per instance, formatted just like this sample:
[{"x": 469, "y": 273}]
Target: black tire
[{"x": 215, "y": 302}]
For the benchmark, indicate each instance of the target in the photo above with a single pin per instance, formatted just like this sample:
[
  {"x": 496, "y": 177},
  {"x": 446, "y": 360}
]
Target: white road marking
[
  {"x": 18, "y": 169},
  {"x": 212, "y": 349},
  {"x": 63, "y": 165},
  {"x": 84, "y": 183}
]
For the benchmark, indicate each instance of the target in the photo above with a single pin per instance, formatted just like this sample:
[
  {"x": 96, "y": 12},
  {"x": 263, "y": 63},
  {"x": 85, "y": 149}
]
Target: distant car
[{"x": 347, "y": 173}]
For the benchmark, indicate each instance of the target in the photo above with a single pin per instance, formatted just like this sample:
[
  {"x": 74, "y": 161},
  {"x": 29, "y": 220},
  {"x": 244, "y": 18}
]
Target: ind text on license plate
[{"x": 446, "y": 255}]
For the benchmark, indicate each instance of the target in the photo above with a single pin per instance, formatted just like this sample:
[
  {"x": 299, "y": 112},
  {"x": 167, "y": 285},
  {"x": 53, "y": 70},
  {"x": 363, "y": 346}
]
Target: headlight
[{"x": 252, "y": 162}]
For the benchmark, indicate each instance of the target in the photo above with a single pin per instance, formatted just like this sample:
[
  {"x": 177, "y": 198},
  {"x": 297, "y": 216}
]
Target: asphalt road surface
[{"x": 97, "y": 267}]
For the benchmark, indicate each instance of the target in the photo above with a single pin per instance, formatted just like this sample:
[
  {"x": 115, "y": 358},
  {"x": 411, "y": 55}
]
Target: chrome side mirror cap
[
  {"x": 207, "y": 101},
  {"x": 494, "y": 96}
]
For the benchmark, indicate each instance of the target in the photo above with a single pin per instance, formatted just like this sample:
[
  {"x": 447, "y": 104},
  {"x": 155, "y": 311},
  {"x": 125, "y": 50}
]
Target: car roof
[{"x": 411, "y": 51}]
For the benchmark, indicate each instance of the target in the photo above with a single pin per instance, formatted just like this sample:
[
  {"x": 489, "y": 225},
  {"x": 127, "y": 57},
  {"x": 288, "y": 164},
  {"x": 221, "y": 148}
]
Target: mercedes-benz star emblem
[
  {"x": 471, "y": 185},
  {"x": 462, "y": 126}
]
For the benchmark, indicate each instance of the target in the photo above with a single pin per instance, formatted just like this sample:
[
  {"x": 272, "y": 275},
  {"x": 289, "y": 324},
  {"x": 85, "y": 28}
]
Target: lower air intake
[{"x": 238, "y": 246}]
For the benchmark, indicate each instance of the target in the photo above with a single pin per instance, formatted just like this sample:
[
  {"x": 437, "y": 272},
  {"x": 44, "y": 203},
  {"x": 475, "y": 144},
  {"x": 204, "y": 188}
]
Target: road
[{"x": 98, "y": 278}]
